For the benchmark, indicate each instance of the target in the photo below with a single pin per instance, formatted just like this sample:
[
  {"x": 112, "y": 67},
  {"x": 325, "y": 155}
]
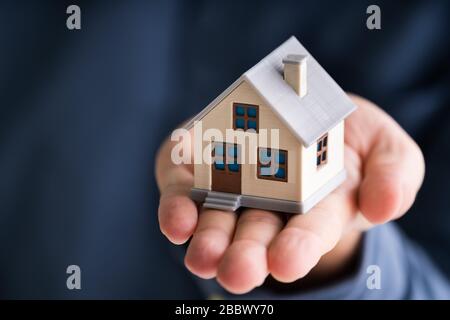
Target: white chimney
[{"x": 295, "y": 72}]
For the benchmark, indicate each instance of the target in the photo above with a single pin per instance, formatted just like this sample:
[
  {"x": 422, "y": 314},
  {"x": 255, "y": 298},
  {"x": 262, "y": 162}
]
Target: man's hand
[{"x": 385, "y": 169}]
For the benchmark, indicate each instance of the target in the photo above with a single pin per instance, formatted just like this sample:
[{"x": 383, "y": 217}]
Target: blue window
[
  {"x": 245, "y": 117},
  {"x": 281, "y": 157},
  {"x": 322, "y": 148},
  {"x": 233, "y": 151},
  {"x": 240, "y": 123},
  {"x": 219, "y": 166},
  {"x": 272, "y": 164},
  {"x": 281, "y": 173},
  {"x": 226, "y": 157},
  {"x": 265, "y": 171},
  {"x": 219, "y": 159},
  {"x": 251, "y": 112},
  {"x": 264, "y": 156},
  {"x": 218, "y": 147},
  {"x": 251, "y": 124},
  {"x": 218, "y": 155},
  {"x": 240, "y": 110}
]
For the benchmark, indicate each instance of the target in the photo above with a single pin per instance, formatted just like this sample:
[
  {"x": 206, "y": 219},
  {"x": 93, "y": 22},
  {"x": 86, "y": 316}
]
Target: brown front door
[{"x": 225, "y": 169}]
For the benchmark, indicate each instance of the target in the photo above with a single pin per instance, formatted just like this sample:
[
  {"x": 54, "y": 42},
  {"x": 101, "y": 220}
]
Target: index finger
[{"x": 177, "y": 213}]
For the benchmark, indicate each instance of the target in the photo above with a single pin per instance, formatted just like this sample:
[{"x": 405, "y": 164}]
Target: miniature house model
[{"x": 288, "y": 91}]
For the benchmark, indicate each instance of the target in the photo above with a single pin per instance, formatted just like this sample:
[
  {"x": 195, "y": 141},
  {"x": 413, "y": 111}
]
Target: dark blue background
[{"x": 83, "y": 112}]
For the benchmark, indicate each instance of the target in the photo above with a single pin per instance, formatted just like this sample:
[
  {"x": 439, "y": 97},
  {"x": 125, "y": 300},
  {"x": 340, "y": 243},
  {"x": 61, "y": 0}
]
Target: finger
[
  {"x": 177, "y": 213},
  {"x": 393, "y": 168},
  {"x": 211, "y": 238},
  {"x": 306, "y": 238},
  {"x": 393, "y": 174},
  {"x": 244, "y": 265}
]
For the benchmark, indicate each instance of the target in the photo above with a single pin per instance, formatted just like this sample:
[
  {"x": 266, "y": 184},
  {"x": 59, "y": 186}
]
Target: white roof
[{"x": 309, "y": 117}]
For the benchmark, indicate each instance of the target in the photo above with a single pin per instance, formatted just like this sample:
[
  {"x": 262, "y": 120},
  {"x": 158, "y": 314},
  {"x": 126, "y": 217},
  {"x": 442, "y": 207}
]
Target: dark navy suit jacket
[{"x": 83, "y": 112}]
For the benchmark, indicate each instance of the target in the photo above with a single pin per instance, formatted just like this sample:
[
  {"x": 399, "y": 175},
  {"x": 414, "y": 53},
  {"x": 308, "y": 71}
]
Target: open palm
[{"x": 385, "y": 169}]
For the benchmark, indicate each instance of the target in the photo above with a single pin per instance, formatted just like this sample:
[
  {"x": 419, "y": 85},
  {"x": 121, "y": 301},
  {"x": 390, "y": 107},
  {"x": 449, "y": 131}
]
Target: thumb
[{"x": 393, "y": 165}]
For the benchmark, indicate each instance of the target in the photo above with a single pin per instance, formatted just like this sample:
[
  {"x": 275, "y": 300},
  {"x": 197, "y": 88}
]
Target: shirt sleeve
[{"x": 391, "y": 266}]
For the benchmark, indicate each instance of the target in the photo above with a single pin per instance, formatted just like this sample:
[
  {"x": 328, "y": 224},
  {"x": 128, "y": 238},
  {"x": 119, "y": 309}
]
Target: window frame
[
  {"x": 245, "y": 117},
  {"x": 282, "y": 166},
  {"x": 324, "y": 143}
]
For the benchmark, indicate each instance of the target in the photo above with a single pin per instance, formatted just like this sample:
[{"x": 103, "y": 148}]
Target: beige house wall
[
  {"x": 313, "y": 177},
  {"x": 221, "y": 118}
]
